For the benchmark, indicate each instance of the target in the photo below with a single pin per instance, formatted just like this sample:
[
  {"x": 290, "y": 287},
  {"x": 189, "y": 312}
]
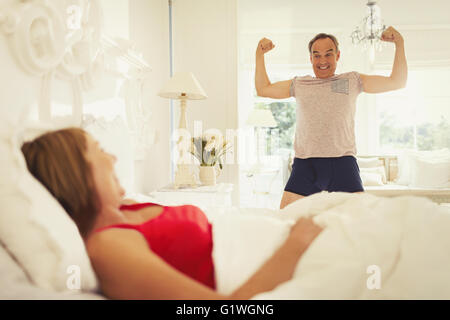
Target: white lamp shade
[
  {"x": 261, "y": 118},
  {"x": 183, "y": 85}
]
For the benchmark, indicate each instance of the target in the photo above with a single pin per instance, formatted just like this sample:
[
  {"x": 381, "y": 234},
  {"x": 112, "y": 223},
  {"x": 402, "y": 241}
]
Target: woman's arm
[{"x": 127, "y": 269}]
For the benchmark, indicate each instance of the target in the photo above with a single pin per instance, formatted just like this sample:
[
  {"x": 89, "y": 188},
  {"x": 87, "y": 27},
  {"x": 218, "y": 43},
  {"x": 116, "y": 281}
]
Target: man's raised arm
[
  {"x": 399, "y": 74},
  {"x": 264, "y": 88}
]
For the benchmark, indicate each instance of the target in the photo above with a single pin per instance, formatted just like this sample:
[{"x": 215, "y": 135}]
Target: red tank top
[{"x": 181, "y": 236}]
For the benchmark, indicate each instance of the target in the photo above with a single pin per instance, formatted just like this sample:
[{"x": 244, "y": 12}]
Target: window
[
  {"x": 418, "y": 116},
  {"x": 264, "y": 189},
  {"x": 281, "y": 139}
]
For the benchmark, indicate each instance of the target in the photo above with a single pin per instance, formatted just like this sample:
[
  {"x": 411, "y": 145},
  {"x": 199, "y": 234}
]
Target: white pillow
[
  {"x": 407, "y": 167},
  {"x": 380, "y": 170},
  {"x": 35, "y": 229},
  {"x": 368, "y": 162},
  {"x": 371, "y": 178},
  {"x": 404, "y": 168},
  {"x": 114, "y": 137},
  {"x": 430, "y": 173}
]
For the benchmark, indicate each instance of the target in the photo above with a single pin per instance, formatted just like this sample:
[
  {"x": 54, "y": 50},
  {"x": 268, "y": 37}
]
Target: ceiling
[{"x": 280, "y": 14}]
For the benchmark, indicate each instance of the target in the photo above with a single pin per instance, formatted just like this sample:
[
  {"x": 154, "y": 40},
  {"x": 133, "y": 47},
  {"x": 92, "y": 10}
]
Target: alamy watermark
[
  {"x": 374, "y": 280},
  {"x": 73, "y": 22},
  {"x": 242, "y": 143},
  {"x": 74, "y": 15},
  {"x": 74, "y": 279}
]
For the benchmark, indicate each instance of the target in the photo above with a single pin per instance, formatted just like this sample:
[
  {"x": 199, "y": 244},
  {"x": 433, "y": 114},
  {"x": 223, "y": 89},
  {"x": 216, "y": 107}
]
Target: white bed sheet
[{"x": 405, "y": 237}]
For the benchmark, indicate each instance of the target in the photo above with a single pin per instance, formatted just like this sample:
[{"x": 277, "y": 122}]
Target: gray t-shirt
[{"x": 326, "y": 115}]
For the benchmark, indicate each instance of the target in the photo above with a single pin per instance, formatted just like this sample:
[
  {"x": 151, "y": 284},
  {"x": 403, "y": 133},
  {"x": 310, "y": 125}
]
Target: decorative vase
[{"x": 208, "y": 175}]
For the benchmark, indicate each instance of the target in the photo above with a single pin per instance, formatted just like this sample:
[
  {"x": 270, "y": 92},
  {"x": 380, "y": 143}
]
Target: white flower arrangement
[{"x": 209, "y": 149}]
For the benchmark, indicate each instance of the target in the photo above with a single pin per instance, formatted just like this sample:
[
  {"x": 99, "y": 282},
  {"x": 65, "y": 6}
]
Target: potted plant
[{"x": 209, "y": 150}]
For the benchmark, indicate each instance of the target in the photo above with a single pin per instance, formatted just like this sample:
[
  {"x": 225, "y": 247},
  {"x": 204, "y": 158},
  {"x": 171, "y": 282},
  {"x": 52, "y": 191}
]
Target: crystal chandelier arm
[{"x": 368, "y": 33}]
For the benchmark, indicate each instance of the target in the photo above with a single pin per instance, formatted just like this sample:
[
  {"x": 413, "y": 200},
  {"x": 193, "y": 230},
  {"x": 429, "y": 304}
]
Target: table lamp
[
  {"x": 259, "y": 118},
  {"x": 183, "y": 86}
]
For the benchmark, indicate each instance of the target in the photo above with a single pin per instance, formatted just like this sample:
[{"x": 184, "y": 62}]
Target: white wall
[
  {"x": 149, "y": 30},
  {"x": 205, "y": 43},
  {"x": 116, "y": 17}
]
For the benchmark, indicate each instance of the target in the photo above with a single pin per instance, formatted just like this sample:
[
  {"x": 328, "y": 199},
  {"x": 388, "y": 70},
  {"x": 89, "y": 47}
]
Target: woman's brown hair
[{"x": 57, "y": 159}]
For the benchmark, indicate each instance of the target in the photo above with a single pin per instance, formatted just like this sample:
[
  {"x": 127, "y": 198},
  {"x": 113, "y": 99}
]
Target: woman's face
[{"x": 102, "y": 163}]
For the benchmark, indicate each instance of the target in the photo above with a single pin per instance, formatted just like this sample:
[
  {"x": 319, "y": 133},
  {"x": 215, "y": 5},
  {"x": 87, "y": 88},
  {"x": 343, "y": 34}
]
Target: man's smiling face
[{"x": 324, "y": 58}]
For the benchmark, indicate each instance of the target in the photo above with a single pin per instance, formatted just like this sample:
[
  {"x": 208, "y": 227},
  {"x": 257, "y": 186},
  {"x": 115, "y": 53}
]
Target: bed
[
  {"x": 415, "y": 173},
  {"x": 438, "y": 195}
]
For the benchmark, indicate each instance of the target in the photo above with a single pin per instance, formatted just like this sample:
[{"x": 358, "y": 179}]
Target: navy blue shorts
[{"x": 314, "y": 175}]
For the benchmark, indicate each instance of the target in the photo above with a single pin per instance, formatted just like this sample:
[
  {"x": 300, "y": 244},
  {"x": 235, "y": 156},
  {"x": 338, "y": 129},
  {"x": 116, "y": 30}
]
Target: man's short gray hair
[{"x": 323, "y": 36}]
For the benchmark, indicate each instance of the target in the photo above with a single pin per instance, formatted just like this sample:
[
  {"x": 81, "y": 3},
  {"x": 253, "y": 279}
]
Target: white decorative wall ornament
[
  {"x": 125, "y": 50},
  {"x": 83, "y": 30},
  {"x": 35, "y": 33},
  {"x": 45, "y": 100},
  {"x": 58, "y": 38},
  {"x": 45, "y": 105},
  {"x": 94, "y": 74},
  {"x": 77, "y": 106},
  {"x": 138, "y": 117},
  {"x": 63, "y": 39}
]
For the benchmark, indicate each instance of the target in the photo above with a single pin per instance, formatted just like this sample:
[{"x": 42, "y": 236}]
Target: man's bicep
[
  {"x": 376, "y": 84},
  {"x": 278, "y": 90}
]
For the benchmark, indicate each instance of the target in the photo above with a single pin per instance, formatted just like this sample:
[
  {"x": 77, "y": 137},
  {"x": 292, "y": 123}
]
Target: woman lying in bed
[{"x": 144, "y": 251}]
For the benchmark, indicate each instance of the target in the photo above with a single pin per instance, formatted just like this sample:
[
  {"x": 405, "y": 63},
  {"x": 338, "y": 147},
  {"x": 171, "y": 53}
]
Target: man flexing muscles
[{"x": 325, "y": 147}]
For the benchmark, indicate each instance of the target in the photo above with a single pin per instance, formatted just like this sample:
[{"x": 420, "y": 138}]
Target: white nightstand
[
  {"x": 261, "y": 181},
  {"x": 202, "y": 196}
]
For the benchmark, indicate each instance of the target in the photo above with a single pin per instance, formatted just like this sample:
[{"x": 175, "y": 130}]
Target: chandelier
[{"x": 368, "y": 32}]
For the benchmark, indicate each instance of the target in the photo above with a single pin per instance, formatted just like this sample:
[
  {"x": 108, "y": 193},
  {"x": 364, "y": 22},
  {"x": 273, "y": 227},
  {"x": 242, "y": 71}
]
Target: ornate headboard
[
  {"x": 56, "y": 51},
  {"x": 58, "y": 66}
]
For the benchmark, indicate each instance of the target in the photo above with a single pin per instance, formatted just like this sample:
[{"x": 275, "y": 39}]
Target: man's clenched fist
[{"x": 264, "y": 45}]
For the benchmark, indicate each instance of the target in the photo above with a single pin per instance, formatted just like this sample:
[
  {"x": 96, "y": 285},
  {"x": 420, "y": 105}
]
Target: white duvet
[{"x": 371, "y": 248}]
